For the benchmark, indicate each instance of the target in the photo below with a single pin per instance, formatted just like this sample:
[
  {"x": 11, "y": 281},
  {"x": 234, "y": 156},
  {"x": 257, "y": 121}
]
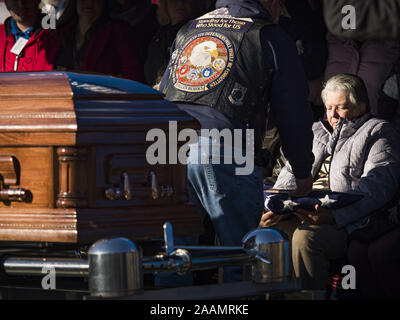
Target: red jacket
[
  {"x": 111, "y": 50},
  {"x": 38, "y": 55}
]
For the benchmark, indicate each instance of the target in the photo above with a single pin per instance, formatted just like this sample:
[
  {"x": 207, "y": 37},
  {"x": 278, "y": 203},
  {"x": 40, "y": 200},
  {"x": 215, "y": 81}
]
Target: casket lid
[{"x": 72, "y": 102}]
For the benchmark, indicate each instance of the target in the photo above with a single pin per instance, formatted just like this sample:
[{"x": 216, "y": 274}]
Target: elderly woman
[
  {"x": 354, "y": 152},
  {"x": 172, "y": 15},
  {"x": 96, "y": 43}
]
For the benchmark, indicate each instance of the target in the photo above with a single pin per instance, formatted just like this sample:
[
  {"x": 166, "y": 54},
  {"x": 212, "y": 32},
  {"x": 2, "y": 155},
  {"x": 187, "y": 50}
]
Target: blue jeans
[{"x": 233, "y": 202}]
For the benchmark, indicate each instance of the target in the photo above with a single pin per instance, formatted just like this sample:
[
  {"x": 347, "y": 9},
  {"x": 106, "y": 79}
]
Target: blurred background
[{"x": 3, "y": 12}]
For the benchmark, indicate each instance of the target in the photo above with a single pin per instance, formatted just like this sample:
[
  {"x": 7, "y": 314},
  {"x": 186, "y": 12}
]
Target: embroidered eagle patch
[{"x": 204, "y": 62}]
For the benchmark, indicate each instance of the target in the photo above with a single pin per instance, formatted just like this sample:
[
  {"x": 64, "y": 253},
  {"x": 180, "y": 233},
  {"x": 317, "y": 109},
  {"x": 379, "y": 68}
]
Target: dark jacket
[
  {"x": 141, "y": 16},
  {"x": 38, "y": 55},
  {"x": 375, "y": 19},
  {"x": 307, "y": 29},
  {"x": 109, "y": 48},
  {"x": 159, "y": 53}
]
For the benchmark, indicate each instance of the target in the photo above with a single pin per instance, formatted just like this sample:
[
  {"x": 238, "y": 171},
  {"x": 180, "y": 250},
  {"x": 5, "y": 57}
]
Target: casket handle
[
  {"x": 127, "y": 187},
  {"x": 166, "y": 191},
  {"x": 18, "y": 195},
  {"x": 155, "y": 193},
  {"x": 8, "y": 170},
  {"x": 117, "y": 194},
  {"x": 9, "y": 175}
]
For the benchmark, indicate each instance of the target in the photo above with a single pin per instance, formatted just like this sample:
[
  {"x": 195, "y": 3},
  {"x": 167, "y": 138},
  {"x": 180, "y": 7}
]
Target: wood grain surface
[{"x": 73, "y": 138}]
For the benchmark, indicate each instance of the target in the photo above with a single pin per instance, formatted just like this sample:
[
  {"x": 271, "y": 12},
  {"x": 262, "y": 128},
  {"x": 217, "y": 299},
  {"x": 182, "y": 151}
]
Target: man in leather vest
[{"x": 225, "y": 68}]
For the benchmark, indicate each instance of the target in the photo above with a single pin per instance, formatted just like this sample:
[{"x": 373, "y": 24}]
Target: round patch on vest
[
  {"x": 207, "y": 72},
  {"x": 184, "y": 69},
  {"x": 205, "y": 61}
]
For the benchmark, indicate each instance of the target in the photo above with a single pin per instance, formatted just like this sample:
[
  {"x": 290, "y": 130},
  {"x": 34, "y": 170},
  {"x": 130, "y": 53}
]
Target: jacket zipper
[
  {"x": 16, "y": 63},
  {"x": 330, "y": 162}
]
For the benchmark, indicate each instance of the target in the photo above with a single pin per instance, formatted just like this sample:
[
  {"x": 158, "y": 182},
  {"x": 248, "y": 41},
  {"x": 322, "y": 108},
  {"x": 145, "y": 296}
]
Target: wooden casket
[{"x": 73, "y": 165}]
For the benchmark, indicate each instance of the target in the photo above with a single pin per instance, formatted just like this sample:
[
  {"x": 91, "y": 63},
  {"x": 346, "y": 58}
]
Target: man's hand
[
  {"x": 269, "y": 218},
  {"x": 319, "y": 216},
  {"x": 304, "y": 187}
]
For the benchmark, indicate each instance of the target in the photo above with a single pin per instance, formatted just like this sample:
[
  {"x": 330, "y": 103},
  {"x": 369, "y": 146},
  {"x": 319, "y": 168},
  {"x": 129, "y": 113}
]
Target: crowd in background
[{"x": 132, "y": 39}]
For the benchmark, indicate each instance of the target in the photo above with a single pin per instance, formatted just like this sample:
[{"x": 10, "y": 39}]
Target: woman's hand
[
  {"x": 319, "y": 216},
  {"x": 269, "y": 218}
]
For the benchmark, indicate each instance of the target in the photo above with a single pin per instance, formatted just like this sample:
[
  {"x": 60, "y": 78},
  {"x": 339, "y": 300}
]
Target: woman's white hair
[{"x": 351, "y": 84}]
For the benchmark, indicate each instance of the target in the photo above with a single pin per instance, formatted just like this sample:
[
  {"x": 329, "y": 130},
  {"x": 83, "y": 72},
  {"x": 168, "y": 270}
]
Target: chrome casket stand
[
  {"x": 115, "y": 267},
  {"x": 274, "y": 245}
]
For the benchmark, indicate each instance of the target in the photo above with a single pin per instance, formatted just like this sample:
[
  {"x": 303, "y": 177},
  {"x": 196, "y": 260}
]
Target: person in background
[
  {"x": 374, "y": 19},
  {"x": 372, "y": 60},
  {"x": 306, "y": 28},
  {"x": 172, "y": 15},
  {"x": 141, "y": 15},
  {"x": 305, "y": 24},
  {"x": 63, "y": 9},
  {"x": 389, "y": 103},
  {"x": 24, "y": 44},
  {"x": 96, "y": 43},
  {"x": 377, "y": 263}
]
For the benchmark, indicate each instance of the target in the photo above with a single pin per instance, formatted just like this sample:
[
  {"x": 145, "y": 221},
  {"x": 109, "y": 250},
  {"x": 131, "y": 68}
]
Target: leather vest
[{"x": 219, "y": 62}]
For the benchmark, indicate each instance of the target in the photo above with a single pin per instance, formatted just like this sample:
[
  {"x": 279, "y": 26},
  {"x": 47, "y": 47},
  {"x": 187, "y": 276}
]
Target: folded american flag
[{"x": 280, "y": 202}]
